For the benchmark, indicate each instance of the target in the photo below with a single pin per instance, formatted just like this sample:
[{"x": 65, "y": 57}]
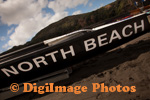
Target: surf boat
[{"x": 50, "y": 60}]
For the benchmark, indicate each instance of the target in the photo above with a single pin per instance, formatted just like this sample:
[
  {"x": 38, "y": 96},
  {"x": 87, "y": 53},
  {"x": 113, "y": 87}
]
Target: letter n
[{"x": 7, "y": 71}]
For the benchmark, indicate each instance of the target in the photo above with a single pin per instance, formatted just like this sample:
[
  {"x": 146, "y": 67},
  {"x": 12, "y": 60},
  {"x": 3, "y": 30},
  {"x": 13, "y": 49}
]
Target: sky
[{"x": 20, "y": 20}]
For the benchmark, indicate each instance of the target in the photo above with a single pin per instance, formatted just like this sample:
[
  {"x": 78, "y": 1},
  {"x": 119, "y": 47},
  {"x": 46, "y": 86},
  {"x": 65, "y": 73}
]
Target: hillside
[{"x": 73, "y": 23}]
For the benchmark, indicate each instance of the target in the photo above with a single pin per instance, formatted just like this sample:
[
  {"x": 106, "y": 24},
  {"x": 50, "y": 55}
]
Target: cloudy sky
[{"x": 20, "y": 20}]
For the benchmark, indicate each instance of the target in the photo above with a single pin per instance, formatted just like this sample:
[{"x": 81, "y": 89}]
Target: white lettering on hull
[{"x": 89, "y": 45}]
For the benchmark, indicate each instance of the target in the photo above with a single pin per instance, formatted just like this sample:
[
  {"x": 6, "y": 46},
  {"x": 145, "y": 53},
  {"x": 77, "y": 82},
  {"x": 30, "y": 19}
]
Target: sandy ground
[
  {"x": 131, "y": 73},
  {"x": 127, "y": 65}
]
